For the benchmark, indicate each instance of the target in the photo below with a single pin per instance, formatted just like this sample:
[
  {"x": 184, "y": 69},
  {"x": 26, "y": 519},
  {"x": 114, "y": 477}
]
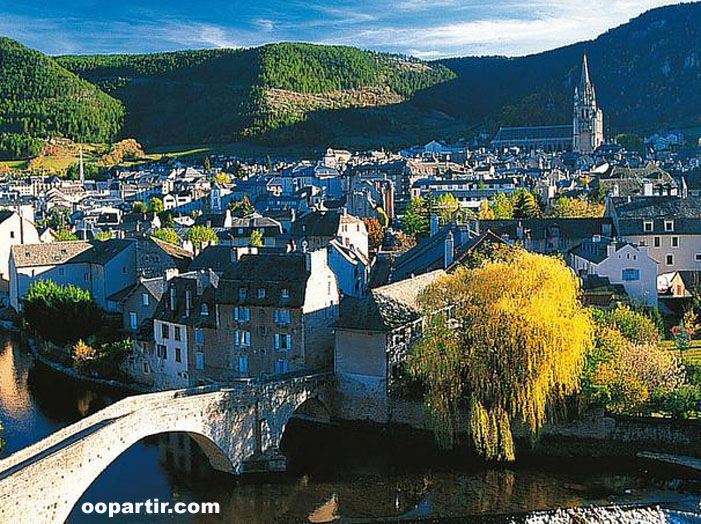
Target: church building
[{"x": 588, "y": 123}]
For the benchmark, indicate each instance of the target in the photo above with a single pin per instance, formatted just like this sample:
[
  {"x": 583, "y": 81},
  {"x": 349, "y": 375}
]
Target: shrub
[{"x": 61, "y": 313}]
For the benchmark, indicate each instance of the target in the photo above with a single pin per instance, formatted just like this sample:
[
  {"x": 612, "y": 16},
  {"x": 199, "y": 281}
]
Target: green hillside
[
  {"x": 226, "y": 95},
  {"x": 647, "y": 75},
  {"x": 40, "y": 99}
]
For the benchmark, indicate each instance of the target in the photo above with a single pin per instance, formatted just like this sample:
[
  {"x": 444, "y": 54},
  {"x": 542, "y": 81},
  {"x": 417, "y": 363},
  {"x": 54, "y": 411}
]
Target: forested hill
[
  {"x": 647, "y": 75},
  {"x": 40, "y": 98},
  {"x": 224, "y": 95}
]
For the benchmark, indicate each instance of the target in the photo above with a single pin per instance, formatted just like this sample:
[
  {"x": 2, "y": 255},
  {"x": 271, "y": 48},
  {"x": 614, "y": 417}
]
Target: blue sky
[{"x": 423, "y": 28}]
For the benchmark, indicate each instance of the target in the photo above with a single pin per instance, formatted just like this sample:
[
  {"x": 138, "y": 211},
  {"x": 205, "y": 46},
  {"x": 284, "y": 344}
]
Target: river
[{"x": 357, "y": 474}]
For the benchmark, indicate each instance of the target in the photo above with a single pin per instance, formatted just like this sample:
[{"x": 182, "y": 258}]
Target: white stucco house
[{"x": 622, "y": 263}]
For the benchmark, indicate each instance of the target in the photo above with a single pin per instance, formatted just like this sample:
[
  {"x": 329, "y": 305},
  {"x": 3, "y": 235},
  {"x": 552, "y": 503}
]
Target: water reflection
[{"x": 333, "y": 471}]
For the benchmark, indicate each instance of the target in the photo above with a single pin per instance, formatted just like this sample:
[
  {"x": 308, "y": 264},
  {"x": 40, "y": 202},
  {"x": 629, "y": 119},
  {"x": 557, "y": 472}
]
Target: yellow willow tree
[{"x": 504, "y": 342}]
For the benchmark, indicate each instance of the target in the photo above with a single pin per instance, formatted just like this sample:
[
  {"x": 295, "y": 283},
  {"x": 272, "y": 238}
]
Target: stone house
[
  {"x": 102, "y": 268},
  {"x": 372, "y": 337},
  {"x": 669, "y": 227},
  {"x": 275, "y": 312},
  {"x": 316, "y": 229},
  {"x": 184, "y": 323}
]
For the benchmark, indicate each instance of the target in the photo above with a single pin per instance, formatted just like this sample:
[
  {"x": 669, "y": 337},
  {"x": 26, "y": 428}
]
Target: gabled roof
[
  {"x": 385, "y": 308},
  {"x": 55, "y": 253},
  {"x": 216, "y": 258}
]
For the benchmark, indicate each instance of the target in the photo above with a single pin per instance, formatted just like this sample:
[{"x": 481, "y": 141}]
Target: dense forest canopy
[{"x": 647, "y": 74}]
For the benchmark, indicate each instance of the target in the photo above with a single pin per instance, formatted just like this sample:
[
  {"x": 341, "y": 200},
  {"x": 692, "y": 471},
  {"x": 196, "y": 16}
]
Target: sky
[{"x": 426, "y": 29}]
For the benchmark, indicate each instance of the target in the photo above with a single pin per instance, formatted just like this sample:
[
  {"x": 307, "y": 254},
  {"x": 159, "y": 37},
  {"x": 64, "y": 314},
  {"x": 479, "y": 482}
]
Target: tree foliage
[
  {"x": 256, "y": 239},
  {"x": 376, "y": 233},
  {"x": 167, "y": 235},
  {"x": 65, "y": 235},
  {"x": 416, "y": 219},
  {"x": 504, "y": 342},
  {"x": 61, "y": 313},
  {"x": 41, "y": 99},
  {"x": 525, "y": 205},
  {"x": 241, "y": 208},
  {"x": 201, "y": 236},
  {"x": 569, "y": 207}
]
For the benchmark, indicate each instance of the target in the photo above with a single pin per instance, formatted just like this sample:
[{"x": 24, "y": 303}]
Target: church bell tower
[{"x": 588, "y": 120}]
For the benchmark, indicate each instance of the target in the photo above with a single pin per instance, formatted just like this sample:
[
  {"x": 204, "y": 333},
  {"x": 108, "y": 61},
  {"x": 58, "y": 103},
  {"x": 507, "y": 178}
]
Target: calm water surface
[{"x": 358, "y": 475}]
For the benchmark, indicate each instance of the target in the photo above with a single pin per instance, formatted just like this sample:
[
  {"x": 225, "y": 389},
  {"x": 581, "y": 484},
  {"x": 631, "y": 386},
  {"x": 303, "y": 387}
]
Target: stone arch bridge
[{"x": 238, "y": 427}]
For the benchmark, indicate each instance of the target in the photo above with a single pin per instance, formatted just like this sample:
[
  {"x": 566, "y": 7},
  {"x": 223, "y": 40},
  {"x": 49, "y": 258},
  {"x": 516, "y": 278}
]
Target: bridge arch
[{"x": 43, "y": 482}]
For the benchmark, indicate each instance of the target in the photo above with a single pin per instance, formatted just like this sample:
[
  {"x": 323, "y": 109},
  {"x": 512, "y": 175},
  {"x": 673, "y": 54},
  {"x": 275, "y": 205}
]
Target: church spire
[
  {"x": 584, "y": 81},
  {"x": 81, "y": 167}
]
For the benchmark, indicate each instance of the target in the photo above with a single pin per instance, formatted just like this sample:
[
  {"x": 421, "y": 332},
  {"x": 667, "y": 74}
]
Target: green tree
[
  {"x": 167, "y": 235},
  {"x": 416, "y": 219},
  {"x": 525, "y": 205},
  {"x": 502, "y": 207},
  {"x": 61, "y": 313},
  {"x": 202, "y": 235},
  {"x": 630, "y": 141},
  {"x": 139, "y": 207},
  {"x": 256, "y": 239},
  {"x": 104, "y": 235},
  {"x": 503, "y": 342},
  {"x": 65, "y": 235},
  {"x": 155, "y": 205},
  {"x": 241, "y": 208},
  {"x": 568, "y": 207}
]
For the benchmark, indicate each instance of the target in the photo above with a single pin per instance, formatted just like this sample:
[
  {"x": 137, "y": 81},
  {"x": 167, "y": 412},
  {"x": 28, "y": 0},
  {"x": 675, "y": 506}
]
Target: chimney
[
  {"x": 610, "y": 249},
  {"x": 647, "y": 189},
  {"x": 434, "y": 224},
  {"x": 448, "y": 249}
]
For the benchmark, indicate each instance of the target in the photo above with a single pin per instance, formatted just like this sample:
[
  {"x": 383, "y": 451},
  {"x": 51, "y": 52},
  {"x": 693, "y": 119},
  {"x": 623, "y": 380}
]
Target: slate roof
[
  {"x": 543, "y": 228},
  {"x": 686, "y": 213},
  {"x": 385, "y": 308},
  {"x": 559, "y": 132},
  {"x": 216, "y": 258},
  {"x": 94, "y": 251},
  {"x": 595, "y": 252},
  {"x": 4, "y": 215},
  {"x": 202, "y": 286},
  {"x": 272, "y": 272}
]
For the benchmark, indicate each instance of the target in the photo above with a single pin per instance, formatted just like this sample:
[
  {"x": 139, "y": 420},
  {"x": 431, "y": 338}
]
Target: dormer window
[
  {"x": 647, "y": 226},
  {"x": 285, "y": 293},
  {"x": 204, "y": 310},
  {"x": 242, "y": 293},
  {"x": 669, "y": 225},
  {"x": 261, "y": 292}
]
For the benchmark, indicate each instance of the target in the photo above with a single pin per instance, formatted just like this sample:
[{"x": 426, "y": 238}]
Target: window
[
  {"x": 199, "y": 337},
  {"x": 145, "y": 367},
  {"x": 657, "y": 241},
  {"x": 178, "y": 355},
  {"x": 698, "y": 257},
  {"x": 243, "y": 338},
  {"x": 647, "y": 226},
  {"x": 282, "y": 316},
  {"x": 243, "y": 366},
  {"x": 204, "y": 310},
  {"x": 630, "y": 275},
  {"x": 162, "y": 351},
  {"x": 242, "y": 293},
  {"x": 242, "y": 314},
  {"x": 283, "y": 341},
  {"x": 281, "y": 366},
  {"x": 177, "y": 332},
  {"x": 669, "y": 259},
  {"x": 199, "y": 358},
  {"x": 144, "y": 299},
  {"x": 261, "y": 292},
  {"x": 165, "y": 331},
  {"x": 124, "y": 270},
  {"x": 642, "y": 243},
  {"x": 285, "y": 293},
  {"x": 133, "y": 321},
  {"x": 669, "y": 225},
  {"x": 262, "y": 331},
  {"x": 675, "y": 241},
  {"x": 12, "y": 234}
]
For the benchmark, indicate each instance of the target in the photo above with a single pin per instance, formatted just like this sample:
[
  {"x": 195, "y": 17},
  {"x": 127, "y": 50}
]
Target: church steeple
[
  {"x": 588, "y": 118},
  {"x": 584, "y": 81}
]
